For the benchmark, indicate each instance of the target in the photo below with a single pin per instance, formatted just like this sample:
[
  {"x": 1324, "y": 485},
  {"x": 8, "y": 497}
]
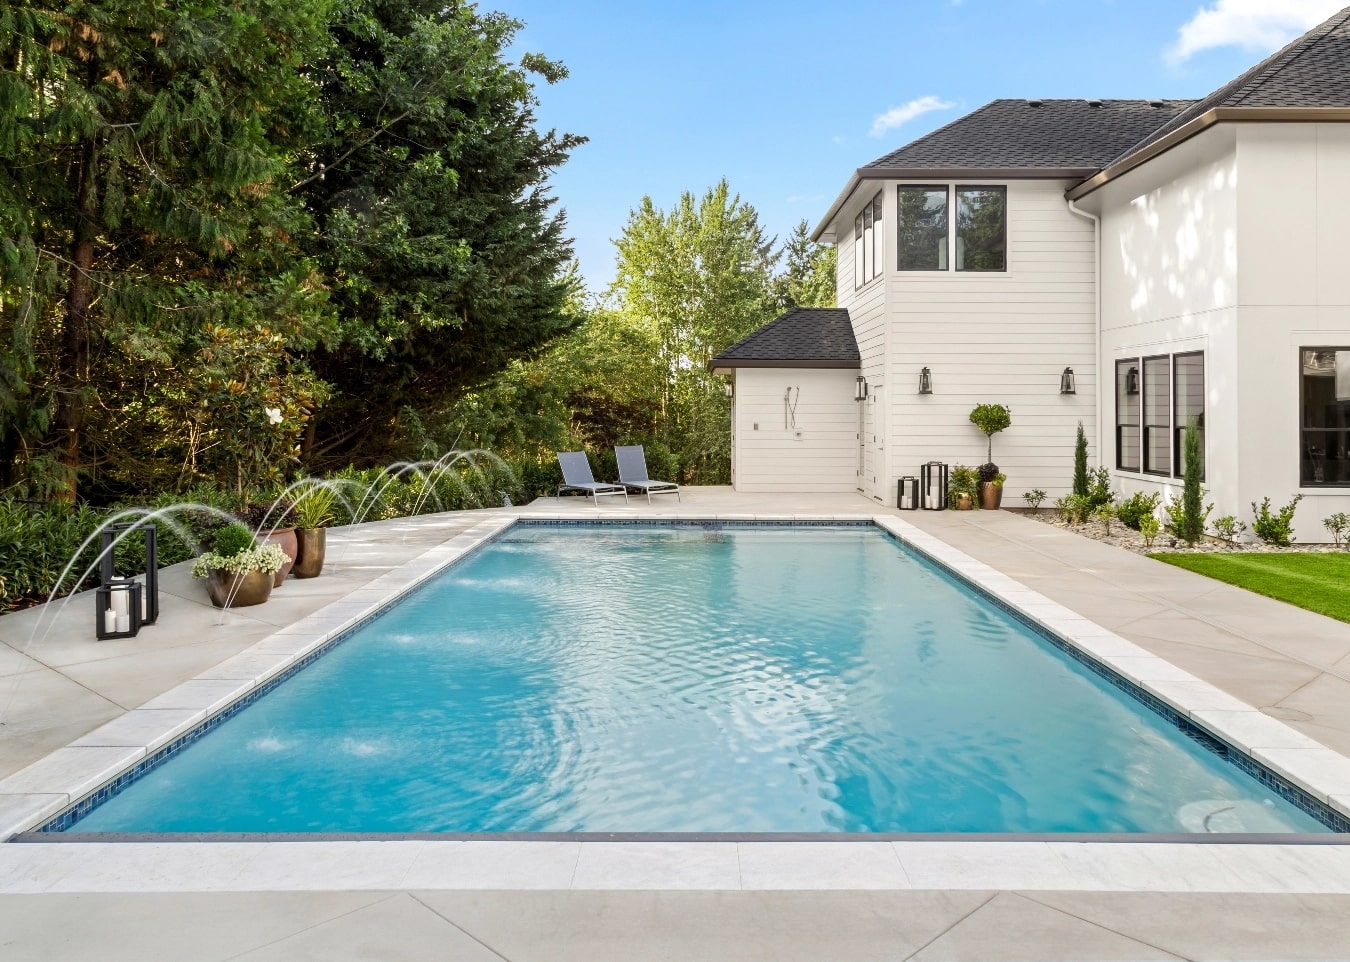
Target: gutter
[
  {"x": 973, "y": 174},
  {"x": 1097, "y": 312},
  {"x": 1215, "y": 115}
]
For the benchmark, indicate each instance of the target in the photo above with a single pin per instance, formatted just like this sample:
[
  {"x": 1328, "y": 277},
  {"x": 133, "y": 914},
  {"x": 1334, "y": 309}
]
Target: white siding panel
[{"x": 810, "y": 448}]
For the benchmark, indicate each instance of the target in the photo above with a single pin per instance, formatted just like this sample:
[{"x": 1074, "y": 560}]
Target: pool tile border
[{"x": 1298, "y": 768}]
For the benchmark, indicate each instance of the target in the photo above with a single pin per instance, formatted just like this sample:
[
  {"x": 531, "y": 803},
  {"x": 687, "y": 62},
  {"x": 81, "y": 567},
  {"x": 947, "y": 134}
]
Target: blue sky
[{"x": 786, "y": 99}]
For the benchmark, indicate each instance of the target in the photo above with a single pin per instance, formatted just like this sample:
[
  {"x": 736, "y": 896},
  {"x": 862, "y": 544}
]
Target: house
[{"x": 1129, "y": 264}]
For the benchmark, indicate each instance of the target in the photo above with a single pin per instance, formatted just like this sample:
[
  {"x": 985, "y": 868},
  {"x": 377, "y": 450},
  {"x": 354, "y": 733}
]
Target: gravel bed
[{"x": 1131, "y": 540}]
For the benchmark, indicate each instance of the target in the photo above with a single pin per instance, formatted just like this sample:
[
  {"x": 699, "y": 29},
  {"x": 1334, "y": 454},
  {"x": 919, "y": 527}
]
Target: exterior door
[{"x": 871, "y": 443}]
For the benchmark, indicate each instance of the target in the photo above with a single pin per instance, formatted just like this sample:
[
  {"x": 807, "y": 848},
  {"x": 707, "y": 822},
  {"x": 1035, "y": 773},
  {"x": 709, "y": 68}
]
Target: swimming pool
[{"x": 686, "y": 678}]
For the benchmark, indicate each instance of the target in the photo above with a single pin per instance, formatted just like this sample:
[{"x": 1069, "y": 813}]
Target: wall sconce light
[
  {"x": 860, "y": 389},
  {"x": 1066, "y": 385},
  {"x": 730, "y": 387},
  {"x": 1132, "y": 381},
  {"x": 925, "y": 381}
]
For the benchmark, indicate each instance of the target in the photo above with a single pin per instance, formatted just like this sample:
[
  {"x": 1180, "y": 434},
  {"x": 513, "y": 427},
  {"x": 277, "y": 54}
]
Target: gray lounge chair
[
  {"x": 633, "y": 473},
  {"x": 577, "y": 476}
]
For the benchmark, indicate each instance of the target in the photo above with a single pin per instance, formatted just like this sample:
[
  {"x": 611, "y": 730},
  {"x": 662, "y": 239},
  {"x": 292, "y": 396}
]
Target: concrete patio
[{"x": 698, "y": 900}]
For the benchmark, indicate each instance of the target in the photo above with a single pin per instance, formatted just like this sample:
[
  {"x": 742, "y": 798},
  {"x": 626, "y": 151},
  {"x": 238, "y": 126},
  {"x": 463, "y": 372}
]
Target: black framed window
[
  {"x": 878, "y": 234},
  {"x": 921, "y": 228},
  {"x": 1324, "y": 416},
  {"x": 1156, "y": 397},
  {"x": 1127, "y": 414},
  {"x": 981, "y": 228},
  {"x": 867, "y": 243},
  {"x": 1188, "y": 391},
  {"x": 1156, "y": 388}
]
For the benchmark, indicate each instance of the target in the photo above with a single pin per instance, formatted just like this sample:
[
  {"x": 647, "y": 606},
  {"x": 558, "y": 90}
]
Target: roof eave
[
  {"x": 719, "y": 365},
  {"x": 941, "y": 173},
  {"x": 1201, "y": 123}
]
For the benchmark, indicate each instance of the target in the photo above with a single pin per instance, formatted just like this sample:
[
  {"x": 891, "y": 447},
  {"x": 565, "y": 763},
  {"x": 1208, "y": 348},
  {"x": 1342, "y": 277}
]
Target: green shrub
[
  {"x": 1099, "y": 488},
  {"x": 1190, "y": 522},
  {"x": 1229, "y": 528},
  {"x": 232, "y": 539},
  {"x": 1133, "y": 509},
  {"x": 1105, "y": 513},
  {"x": 1278, "y": 528},
  {"x": 1149, "y": 526},
  {"x": 37, "y": 541},
  {"x": 962, "y": 480},
  {"x": 1034, "y": 497},
  {"x": 1074, "y": 508},
  {"x": 1336, "y": 524}
]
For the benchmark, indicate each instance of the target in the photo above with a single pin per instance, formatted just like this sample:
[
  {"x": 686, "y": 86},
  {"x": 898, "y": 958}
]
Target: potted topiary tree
[
  {"x": 991, "y": 419},
  {"x": 239, "y": 571}
]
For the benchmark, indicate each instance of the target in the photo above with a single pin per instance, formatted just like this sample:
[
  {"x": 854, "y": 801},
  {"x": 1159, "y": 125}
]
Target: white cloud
[
  {"x": 897, "y": 116},
  {"x": 1251, "y": 24}
]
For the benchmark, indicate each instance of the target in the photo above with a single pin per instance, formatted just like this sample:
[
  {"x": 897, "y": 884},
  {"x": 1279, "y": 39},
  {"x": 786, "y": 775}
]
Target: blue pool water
[{"x": 687, "y": 679}]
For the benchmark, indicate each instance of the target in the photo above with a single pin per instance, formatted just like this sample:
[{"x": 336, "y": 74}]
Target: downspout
[{"x": 1097, "y": 314}]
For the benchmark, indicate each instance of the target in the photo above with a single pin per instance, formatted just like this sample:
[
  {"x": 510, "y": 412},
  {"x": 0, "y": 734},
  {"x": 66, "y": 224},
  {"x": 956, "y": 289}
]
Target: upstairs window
[
  {"x": 867, "y": 243},
  {"x": 925, "y": 231}
]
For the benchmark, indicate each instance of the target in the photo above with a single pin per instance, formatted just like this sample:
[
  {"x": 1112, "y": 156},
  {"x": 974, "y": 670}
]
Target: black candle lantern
[
  {"x": 118, "y": 608},
  {"x": 933, "y": 486},
  {"x": 907, "y": 495},
  {"x": 147, "y": 613}
]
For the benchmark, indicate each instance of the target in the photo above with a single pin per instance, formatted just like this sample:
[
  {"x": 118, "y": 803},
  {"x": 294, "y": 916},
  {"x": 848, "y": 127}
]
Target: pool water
[{"x": 696, "y": 679}]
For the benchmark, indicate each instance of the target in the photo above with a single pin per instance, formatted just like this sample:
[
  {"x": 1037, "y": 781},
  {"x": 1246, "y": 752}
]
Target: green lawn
[{"x": 1318, "y": 582}]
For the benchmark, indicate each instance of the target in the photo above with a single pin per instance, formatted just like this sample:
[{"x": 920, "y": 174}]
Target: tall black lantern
[
  {"x": 907, "y": 494},
  {"x": 147, "y": 598},
  {"x": 933, "y": 486},
  {"x": 1066, "y": 385}
]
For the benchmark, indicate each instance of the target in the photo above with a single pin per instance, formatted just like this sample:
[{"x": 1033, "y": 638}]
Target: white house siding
[
  {"x": 997, "y": 338},
  {"x": 1236, "y": 243},
  {"x": 1169, "y": 269},
  {"x": 867, "y": 312},
  {"x": 814, "y": 448}
]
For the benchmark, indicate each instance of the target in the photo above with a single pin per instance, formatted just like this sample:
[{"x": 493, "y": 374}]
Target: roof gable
[{"x": 820, "y": 337}]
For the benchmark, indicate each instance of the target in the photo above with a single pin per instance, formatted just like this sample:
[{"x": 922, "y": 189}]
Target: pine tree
[
  {"x": 1191, "y": 526},
  {"x": 1080, "y": 471}
]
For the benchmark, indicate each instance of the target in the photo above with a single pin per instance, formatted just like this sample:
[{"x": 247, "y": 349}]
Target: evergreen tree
[
  {"x": 1191, "y": 522},
  {"x": 436, "y": 231},
  {"x": 808, "y": 278},
  {"x": 1080, "y": 470},
  {"x": 142, "y": 146}
]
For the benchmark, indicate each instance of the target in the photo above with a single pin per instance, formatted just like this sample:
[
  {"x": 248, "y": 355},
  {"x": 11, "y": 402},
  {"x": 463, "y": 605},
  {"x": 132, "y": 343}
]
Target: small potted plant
[
  {"x": 239, "y": 571},
  {"x": 991, "y": 419},
  {"x": 961, "y": 487},
  {"x": 313, "y": 514}
]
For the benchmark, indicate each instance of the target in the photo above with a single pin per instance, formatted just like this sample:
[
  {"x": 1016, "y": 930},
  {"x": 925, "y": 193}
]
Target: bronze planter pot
[
  {"x": 286, "y": 538},
  {"x": 991, "y": 495},
  {"x": 963, "y": 502},
  {"x": 313, "y": 544},
  {"x": 230, "y": 590}
]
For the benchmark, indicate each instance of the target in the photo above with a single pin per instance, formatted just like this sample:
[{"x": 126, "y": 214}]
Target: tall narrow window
[
  {"x": 1157, "y": 391},
  {"x": 878, "y": 235},
  {"x": 1127, "y": 414},
  {"x": 858, "y": 278},
  {"x": 921, "y": 231},
  {"x": 868, "y": 265},
  {"x": 1324, "y": 402},
  {"x": 1188, "y": 383},
  {"x": 981, "y": 228}
]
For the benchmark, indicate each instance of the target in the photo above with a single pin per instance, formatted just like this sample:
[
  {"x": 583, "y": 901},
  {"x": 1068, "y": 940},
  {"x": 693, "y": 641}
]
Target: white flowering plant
[{"x": 267, "y": 558}]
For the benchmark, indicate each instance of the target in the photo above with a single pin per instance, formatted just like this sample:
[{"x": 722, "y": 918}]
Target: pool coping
[{"x": 31, "y": 797}]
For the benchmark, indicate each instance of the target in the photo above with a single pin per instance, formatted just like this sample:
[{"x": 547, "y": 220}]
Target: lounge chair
[
  {"x": 577, "y": 476},
  {"x": 633, "y": 473}
]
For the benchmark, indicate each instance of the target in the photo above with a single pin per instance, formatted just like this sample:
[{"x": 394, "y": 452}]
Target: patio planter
[
  {"x": 289, "y": 544},
  {"x": 248, "y": 588},
  {"x": 991, "y": 495},
  {"x": 313, "y": 544}
]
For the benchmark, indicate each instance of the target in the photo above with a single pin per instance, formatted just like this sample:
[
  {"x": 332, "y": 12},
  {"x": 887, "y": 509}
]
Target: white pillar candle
[
  {"x": 124, "y": 623},
  {"x": 109, "y": 621},
  {"x": 118, "y": 600}
]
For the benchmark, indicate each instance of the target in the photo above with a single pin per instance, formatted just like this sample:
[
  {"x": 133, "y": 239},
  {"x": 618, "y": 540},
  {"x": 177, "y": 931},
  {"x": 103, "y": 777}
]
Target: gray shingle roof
[
  {"x": 1050, "y": 135},
  {"x": 803, "y": 337},
  {"x": 1313, "y": 71}
]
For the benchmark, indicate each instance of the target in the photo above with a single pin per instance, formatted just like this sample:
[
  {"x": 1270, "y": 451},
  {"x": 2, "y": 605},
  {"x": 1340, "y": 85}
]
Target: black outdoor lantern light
[
  {"x": 907, "y": 494},
  {"x": 925, "y": 381},
  {"x": 124, "y": 605},
  {"x": 860, "y": 388},
  {"x": 1132, "y": 381},
  {"x": 1066, "y": 385},
  {"x": 933, "y": 478}
]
